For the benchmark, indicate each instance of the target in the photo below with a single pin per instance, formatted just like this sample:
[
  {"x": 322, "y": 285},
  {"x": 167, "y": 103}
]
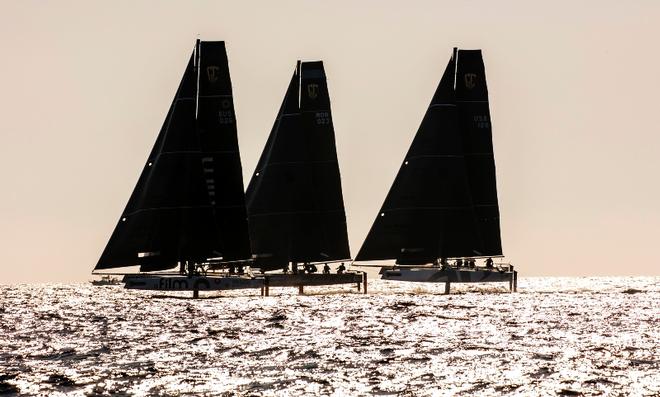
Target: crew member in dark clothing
[
  {"x": 182, "y": 268},
  {"x": 489, "y": 263},
  {"x": 240, "y": 269},
  {"x": 191, "y": 269},
  {"x": 313, "y": 268},
  {"x": 326, "y": 269},
  {"x": 341, "y": 269},
  {"x": 232, "y": 269},
  {"x": 443, "y": 263}
]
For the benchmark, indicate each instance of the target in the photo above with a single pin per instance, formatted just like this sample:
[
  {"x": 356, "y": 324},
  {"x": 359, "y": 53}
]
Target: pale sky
[{"x": 573, "y": 91}]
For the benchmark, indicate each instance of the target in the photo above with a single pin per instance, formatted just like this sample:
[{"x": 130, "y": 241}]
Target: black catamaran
[
  {"x": 188, "y": 204},
  {"x": 294, "y": 199},
  {"x": 443, "y": 203}
]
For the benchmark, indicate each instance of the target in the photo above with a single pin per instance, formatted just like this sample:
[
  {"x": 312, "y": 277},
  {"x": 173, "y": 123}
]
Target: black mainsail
[
  {"x": 443, "y": 202},
  {"x": 188, "y": 204},
  {"x": 474, "y": 122},
  {"x": 294, "y": 199}
]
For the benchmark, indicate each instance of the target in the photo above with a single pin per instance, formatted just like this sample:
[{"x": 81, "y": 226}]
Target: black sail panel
[
  {"x": 428, "y": 211},
  {"x": 269, "y": 196},
  {"x": 221, "y": 162},
  {"x": 170, "y": 216},
  {"x": 475, "y": 125},
  {"x": 294, "y": 199},
  {"x": 324, "y": 198},
  {"x": 148, "y": 231}
]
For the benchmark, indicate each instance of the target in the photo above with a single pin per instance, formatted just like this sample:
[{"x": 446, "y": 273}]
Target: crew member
[
  {"x": 326, "y": 269},
  {"x": 489, "y": 263},
  {"x": 443, "y": 263},
  {"x": 341, "y": 269}
]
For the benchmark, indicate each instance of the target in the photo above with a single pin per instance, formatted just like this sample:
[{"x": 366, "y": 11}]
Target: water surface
[{"x": 556, "y": 336}]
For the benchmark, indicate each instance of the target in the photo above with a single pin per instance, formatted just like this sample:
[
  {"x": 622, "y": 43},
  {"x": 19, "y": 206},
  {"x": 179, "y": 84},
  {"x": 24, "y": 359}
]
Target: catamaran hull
[
  {"x": 435, "y": 275},
  {"x": 194, "y": 283}
]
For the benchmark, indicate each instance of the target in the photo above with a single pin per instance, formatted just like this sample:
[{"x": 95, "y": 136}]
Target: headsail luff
[
  {"x": 170, "y": 216},
  {"x": 295, "y": 203},
  {"x": 429, "y": 212}
]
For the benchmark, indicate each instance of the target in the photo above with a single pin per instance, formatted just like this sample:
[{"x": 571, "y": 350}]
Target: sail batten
[{"x": 435, "y": 203}]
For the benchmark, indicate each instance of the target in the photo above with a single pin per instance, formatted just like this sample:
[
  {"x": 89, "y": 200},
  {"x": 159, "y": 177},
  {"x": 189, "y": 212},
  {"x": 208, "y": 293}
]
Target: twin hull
[{"x": 437, "y": 275}]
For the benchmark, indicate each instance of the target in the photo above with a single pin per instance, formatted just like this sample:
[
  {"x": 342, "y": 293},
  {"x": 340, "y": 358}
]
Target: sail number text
[
  {"x": 482, "y": 121},
  {"x": 322, "y": 118}
]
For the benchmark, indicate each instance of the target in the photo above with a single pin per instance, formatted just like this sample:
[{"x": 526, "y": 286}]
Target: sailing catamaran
[
  {"x": 188, "y": 205},
  {"x": 294, "y": 199},
  {"x": 443, "y": 203}
]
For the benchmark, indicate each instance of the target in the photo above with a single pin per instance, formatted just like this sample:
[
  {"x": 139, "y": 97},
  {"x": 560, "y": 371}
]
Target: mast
[{"x": 294, "y": 199}]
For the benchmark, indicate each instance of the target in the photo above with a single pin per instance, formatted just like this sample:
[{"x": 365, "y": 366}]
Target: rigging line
[
  {"x": 295, "y": 213},
  {"x": 315, "y": 111},
  {"x": 441, "y": 105},
  {"x": 198, "y": 53},
  {"x": 455, "y": 66},
  {"x": 421, "y": 156},
  {"x": 299, "y": 71},
  {"x": 300, "y": 162},
  {"x": 185, "y": 207},
  {"x": 201, "y": 151},
  {"x": 216, "y": 96},
  {"x": 426, "y": 208}
]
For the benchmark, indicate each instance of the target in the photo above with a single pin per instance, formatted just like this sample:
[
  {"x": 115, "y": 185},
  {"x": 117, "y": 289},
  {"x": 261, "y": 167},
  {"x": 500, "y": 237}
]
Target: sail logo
[
  {"x": 470, "y": 80},
  {"x": 212, "y": 73},
  {"x": 312, "y": 90}
]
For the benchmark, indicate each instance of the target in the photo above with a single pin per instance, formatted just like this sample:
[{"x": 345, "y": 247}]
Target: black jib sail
[
  {"x": 443, "y": 202},
  {"x": 294, "y": 199},
  {"x": 188, "y": 204}
]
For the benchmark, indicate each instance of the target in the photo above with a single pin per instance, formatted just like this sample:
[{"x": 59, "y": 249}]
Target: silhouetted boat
[
  {"x": 188, "y": 204},
  {"x": 294, "y": 199},
  {"x": 443, "y": 203},
  {"x": 106, "y": 280}
]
